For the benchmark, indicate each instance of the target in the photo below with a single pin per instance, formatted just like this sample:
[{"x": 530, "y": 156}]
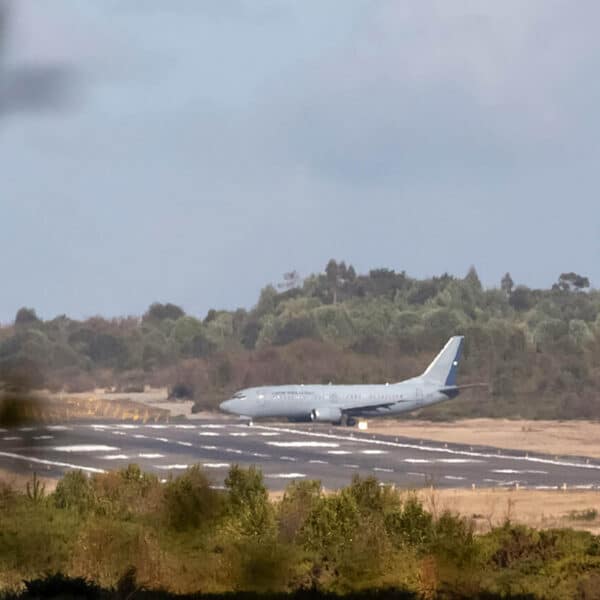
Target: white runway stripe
[
  {"x": 285, "y": 475},
  {"x": 43, "y": 437},
  {"x": 84, "y": 448},
  {"x": 339, "y": 452},
  {"x": 174, "y": 467},
  {"x": 115, "y": 457},
  {"x": 304, "y": 444},
  {"x": 516, "y": 472},
  {"x": 216, "y": 465},
  {"x": 52, "y": 463},
  {"x": 208, "y": 433},
  {"x": 374, "y": 451},
  {"x": 150, "y": 455}
]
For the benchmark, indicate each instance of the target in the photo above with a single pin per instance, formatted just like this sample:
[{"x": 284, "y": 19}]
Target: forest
[
  {"x": 538, "y": 349},
  {"x": 128, "y": 532}
]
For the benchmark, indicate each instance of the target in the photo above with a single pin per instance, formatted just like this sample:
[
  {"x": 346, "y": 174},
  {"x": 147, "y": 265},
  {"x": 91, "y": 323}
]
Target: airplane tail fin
[{"x": 445, "y": 365}]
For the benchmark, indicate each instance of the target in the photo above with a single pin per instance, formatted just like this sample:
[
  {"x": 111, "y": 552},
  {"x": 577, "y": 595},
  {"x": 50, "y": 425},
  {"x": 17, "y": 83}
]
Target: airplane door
[{"x": 419, "y": 395}]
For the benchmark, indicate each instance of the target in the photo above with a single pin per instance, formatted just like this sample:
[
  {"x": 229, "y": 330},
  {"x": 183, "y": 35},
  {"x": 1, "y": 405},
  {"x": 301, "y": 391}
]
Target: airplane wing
[{"x": 358, "y": 410}]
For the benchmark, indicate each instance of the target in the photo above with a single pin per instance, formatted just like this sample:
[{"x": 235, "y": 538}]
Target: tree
[
  {"x": 290, "y": 281},
  {"x": 473, "y": 278},
  {"x": 332, "y": 274},
  {"x": 521, "y": 298},
  {"x": 507, "y": 284},
  {"x": 571, "y": 281},
  {"x": 160, "y": 312},
  {"x": 26, "y": 316}
]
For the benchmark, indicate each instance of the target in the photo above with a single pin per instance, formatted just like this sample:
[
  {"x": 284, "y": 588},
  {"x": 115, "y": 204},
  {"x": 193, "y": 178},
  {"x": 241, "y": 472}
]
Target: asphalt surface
[{"x": 284, "y": 453}]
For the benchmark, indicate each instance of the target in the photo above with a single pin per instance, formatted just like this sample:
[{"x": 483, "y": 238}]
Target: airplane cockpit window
[{"x": 239, "y": 396}]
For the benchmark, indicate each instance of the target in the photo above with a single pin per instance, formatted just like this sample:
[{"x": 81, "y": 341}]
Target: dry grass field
[
  {"x": 536, "y": 508},
  {"x": 579, "y": 438}
]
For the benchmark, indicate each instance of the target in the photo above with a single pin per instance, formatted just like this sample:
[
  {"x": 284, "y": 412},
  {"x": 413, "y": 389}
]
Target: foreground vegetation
[
  {"x": 127, "y": 530},
  {"x": 539, "y": 349}
]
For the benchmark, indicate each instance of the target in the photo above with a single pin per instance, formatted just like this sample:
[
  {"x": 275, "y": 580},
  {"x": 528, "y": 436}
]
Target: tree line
[
  {"x": 128, "y": 531},
  {"x": 538, "y": 348}
]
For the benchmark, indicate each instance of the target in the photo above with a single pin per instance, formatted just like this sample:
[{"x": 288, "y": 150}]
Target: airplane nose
[{"x": 227, "y": 406}]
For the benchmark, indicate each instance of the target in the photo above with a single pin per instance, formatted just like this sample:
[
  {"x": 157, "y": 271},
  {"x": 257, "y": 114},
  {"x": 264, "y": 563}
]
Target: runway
[{"x": 284, "y": 453}]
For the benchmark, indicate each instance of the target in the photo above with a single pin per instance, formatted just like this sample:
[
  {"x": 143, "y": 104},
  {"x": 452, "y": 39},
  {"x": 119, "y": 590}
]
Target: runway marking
[
  {"x": 268, "y": 433},
  {"x": 503, "y": 483},
  {"x": 127, "y": 426},
  {"x": 290, "y": 458},
  {"x": 374, "y": 451},
  {"x": 182, "y": 426},
  {"x": 339, "y": 452},
  {"x": 208, "y": 433},
  {"x": 185, "y": 443},
  {"x": 515, "y": 472},
  {"x": 285, "y": 475},
  {"x": 212, "y": 426},
  {"x": 351, "y": 466},
  {"x": 584, "y": 486},
  {"x": 545, "y": 487},
  {"x": 383, "y": 469},
  {"x": 161, "y": 439},
  {"x": 216, "y": 465},
  {"x": 58, "y": 428},
  {"x": 118, "y": 433},
  {"x": 318, "y": 462},
  {"x": 304, "y": 444},
  {"x": 171, "y": 467},
  {"x": 434, "y": 449},
  {"x": 239, "y": 434},
  {"x": 26, "y": 428},
  {"x": 209, "y": 447},
  {"x": 261, "y": 455},
  {"x": 140, "y": 436},
  {"x": 454, "y": 477},
  {"x": 99, "y": 426},
  {"x": 413, "y": 474},
  {"x": 52, "y": 463},
  {"x": 43, "y": 437},
  {"x": 12, "y": 438},
  {"x": 457, "y": 461},
  {"x": 84, "y": 448},
  {"x": 157, "y": 426},
  {"x": 234, "y": 451},
  {"x": 417, "y": 460},
  {"x": 150, "y": 455},
  {"x": 115, "y": 457}
]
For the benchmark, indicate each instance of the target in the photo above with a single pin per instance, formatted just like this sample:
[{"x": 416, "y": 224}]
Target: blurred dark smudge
[
  {"x": 36, "y": 88},
  {"x": 33, "y": 86},
  {"x": 19, "y": 405}
]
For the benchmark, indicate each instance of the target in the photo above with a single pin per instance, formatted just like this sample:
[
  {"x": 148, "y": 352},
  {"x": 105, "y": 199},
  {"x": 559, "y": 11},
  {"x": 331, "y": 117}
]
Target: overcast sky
[{"x": 187, "y": 151}]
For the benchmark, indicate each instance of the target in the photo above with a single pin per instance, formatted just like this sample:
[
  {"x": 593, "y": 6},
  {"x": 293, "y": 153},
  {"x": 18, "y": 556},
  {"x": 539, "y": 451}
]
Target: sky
[{"x": 193, "y": 152}]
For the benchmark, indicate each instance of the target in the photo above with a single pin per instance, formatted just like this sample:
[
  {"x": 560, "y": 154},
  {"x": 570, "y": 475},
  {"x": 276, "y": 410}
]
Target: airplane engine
[{"x": 327, "y": 414}]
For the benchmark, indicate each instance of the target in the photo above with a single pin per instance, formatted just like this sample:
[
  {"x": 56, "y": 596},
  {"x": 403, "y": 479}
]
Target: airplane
[{"x": 343, "y": 404}]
